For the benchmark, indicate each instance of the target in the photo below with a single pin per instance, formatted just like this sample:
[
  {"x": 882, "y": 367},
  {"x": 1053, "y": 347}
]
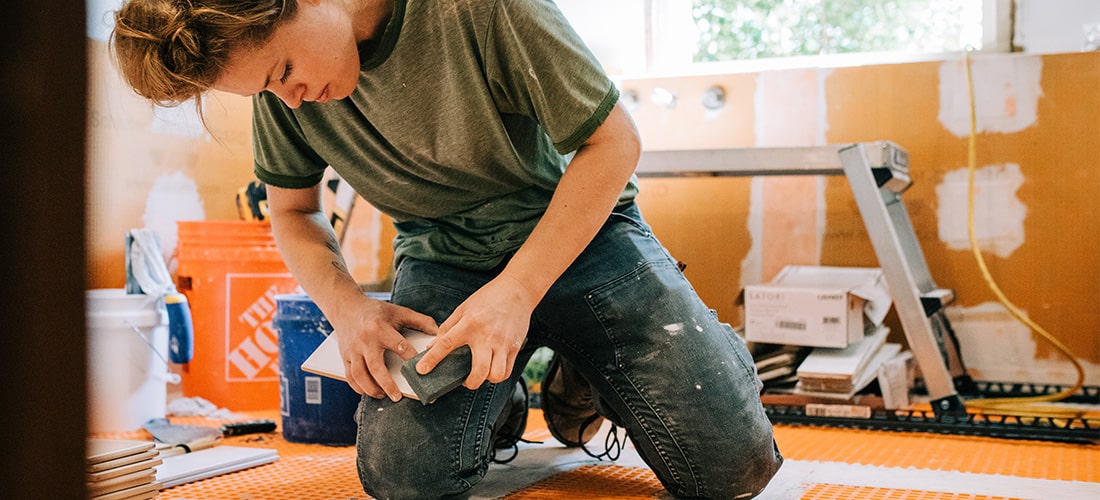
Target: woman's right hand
[{"x": 365, "y": 333}]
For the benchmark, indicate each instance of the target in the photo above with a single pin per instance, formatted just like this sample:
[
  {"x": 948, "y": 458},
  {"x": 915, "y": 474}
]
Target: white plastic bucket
[{"x": 126, "y": 379}]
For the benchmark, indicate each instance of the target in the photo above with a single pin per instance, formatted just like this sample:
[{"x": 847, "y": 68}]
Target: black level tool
[{"x": 248, "y": 427}]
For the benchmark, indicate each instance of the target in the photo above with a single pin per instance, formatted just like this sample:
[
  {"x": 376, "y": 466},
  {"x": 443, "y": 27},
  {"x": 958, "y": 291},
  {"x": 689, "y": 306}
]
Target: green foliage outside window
[{"x": 751, "y": 29}]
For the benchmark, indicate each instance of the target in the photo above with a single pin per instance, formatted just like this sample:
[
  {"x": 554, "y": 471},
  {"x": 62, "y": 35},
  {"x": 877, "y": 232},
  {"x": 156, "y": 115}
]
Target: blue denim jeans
[{"x": 681, "y": 382}]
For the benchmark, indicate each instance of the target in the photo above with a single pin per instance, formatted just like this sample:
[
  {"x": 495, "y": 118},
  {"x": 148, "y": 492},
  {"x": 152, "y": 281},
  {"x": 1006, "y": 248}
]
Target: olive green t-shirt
[{"x": 464, "y": 118}]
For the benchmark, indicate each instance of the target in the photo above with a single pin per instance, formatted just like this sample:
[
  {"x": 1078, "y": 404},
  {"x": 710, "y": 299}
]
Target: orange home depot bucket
[{"x": 231, "y": 272}]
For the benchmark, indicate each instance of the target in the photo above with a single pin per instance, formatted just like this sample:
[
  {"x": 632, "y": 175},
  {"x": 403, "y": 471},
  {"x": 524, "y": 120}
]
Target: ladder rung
[{"x": 935, "y": 300}]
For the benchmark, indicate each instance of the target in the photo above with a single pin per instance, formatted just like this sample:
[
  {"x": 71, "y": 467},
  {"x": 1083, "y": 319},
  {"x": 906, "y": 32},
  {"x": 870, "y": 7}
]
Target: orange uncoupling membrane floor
[{"x": 307, "y": 471}]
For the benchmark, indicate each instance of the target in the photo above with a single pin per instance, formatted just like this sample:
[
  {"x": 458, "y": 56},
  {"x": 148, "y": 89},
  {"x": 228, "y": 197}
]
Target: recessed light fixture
[
  {"x": 714, "y": 98},
  {"x": 663, "y": 97}
]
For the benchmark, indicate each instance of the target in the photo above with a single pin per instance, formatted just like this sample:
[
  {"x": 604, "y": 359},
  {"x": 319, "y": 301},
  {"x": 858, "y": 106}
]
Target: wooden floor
[{"x": 821, "y": 463}]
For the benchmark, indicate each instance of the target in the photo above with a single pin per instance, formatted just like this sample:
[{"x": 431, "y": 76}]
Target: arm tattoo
[
  {"x": 337, "y": 262},
  {"x": 332, "y": 246},
  {"x": 340, "y": 268}
]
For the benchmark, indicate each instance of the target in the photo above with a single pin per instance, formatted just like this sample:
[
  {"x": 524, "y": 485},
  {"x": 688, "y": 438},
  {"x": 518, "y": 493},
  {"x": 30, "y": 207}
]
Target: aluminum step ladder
[{"x": 878, "y": 173}]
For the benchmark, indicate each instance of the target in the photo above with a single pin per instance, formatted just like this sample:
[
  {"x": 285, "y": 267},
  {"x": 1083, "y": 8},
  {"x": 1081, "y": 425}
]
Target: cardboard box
[{"x": 816, "y": 306}]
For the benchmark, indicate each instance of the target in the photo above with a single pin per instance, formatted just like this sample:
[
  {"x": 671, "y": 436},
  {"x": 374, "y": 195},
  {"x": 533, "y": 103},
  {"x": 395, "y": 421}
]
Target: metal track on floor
[
  {"x": 1084, "y": 395},
  {"x": 1066, "y": 430}
]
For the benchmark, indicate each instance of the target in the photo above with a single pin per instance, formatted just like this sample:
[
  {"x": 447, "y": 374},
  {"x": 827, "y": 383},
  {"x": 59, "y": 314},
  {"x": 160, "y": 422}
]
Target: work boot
[
  {"x": 568, "y": 404},
  {"x": 512, "y": 422}
]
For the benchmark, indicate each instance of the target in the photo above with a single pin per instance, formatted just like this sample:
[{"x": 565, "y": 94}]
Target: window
[
  {"x": 730, "y": 30},
  {"x": 678, "y": 36}
]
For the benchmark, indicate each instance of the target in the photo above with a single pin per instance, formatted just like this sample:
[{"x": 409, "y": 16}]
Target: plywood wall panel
[{"x": 701, "y": 223}]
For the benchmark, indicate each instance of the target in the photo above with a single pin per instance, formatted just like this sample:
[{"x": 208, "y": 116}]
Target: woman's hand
[
  {"x": 493, "y": 322},
  {"x": 365, "y": 333}
]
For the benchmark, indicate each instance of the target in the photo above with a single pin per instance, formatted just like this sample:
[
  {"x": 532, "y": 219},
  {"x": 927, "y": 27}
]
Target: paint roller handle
[{"x": 181, "y": 331}]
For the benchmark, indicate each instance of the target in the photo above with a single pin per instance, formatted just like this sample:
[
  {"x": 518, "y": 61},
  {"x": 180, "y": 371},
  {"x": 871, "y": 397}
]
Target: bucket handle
[{"x": 172, "y": 378}]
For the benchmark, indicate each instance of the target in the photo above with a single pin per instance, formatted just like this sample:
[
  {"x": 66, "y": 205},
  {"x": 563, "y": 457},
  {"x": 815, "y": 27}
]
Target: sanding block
[{"x": 447, "y": 375}]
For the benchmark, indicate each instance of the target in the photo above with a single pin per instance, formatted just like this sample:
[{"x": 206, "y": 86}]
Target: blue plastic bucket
[{"x": 314, "y": 409}]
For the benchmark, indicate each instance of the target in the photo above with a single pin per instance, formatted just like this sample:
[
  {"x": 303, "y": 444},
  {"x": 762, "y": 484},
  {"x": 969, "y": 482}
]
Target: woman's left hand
[{"x": 493, "y": 322}]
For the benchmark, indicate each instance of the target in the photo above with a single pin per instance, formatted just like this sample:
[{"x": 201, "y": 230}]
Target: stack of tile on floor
[
  {"x": 841, "y": 373},
  {"x": 122, "y": 469}
]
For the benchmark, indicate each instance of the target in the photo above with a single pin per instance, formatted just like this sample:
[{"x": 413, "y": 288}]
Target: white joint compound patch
[
  {"x": 1006, "y": 93},
  {"x": 173, "y": 197},
  {"x": 780, "y": 121},
  {"x": 822, "y": 210},
  {"x": 990, "y": 324},
  {"x": 751, "y": 266},
  {"x": 823, "y": 74},
  {"x": 998, "y": 347},
  {"x": 998, "y": 214}
]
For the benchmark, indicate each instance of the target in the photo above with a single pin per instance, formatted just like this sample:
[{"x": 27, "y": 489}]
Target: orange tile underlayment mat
[{"x": 822, "y": 463}]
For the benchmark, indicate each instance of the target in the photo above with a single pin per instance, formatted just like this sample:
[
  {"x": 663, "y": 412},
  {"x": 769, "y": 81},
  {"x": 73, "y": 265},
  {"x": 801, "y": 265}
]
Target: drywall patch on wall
[
  {"x": 998, "y": 347},
  {"x": 751, "y": 266},
  {"x": 174, "y": 197},
  {"x": 823, "y": 74},
  {"x": 998, "y": 213},
  {"x": 790, "y": 110},
  {"x": 822, "y": 184},
  {"x": 822, "y": 127},
  {"x": 1007, "y": 99}
]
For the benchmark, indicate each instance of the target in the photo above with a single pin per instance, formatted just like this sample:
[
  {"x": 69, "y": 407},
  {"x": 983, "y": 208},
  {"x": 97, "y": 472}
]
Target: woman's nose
[{"x": 290, "y": 94}]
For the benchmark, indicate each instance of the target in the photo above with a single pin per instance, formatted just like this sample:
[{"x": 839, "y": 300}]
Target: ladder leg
[
  {"x": 902, "y": 262},
  {"x": 949, "y": 348}
]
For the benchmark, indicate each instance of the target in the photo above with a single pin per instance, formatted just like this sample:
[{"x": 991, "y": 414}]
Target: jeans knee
[
  {"x": 386, "y": 475},
  {"x": 741, "y": 479},
  {"x": 409, "y": 450}
]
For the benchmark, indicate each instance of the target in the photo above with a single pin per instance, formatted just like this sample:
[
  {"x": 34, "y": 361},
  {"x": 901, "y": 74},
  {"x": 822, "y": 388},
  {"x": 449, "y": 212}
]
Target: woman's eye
[{"x": 286, "y": 73}]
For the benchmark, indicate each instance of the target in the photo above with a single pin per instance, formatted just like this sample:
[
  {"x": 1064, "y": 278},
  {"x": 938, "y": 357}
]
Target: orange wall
[
  {"x": 735, "y": 231},
  {"x": 1053, "y": 273}
]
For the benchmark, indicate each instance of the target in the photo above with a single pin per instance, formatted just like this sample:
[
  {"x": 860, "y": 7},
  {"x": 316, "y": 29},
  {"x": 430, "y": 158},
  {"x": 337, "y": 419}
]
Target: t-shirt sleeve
[
  {"x": 283, "y": 157},
  {"x": 538, "y": 66}
]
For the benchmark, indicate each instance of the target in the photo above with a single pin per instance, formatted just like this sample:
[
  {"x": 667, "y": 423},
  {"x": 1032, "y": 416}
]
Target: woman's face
[{"x": 312, "y": 57}]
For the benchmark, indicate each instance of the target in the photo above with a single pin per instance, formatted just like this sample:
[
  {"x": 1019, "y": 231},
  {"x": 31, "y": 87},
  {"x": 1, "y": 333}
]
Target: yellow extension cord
[{"x": 1010, "y": 405}]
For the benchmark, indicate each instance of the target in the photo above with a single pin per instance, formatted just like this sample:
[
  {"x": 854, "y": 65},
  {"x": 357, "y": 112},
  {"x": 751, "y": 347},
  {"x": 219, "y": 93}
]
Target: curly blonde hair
[{"x": 171, "y": 51}]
